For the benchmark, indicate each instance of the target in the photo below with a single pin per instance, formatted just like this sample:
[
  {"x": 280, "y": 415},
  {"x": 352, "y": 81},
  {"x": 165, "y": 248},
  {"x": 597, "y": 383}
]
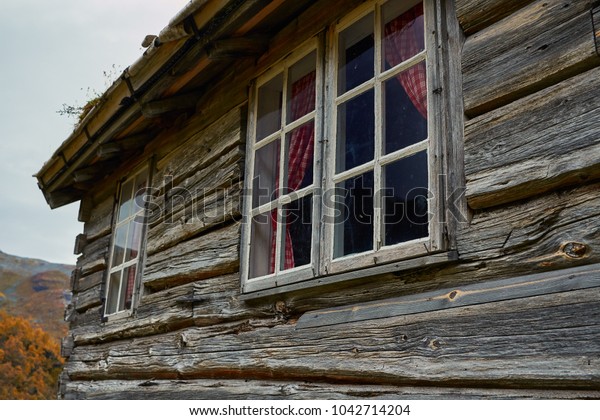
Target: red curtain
[
  {"x": 300, "y": 155},
  {"x": 403, "y": 40}
]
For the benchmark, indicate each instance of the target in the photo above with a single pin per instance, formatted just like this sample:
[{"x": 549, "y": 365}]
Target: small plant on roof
[{"x": 93, "y": 97}]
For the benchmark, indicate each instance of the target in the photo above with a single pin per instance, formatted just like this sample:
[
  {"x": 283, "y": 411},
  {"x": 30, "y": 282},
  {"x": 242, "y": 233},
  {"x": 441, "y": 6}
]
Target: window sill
[{"x": 403, "y": 265}]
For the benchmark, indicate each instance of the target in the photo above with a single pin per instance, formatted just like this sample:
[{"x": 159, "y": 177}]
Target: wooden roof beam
[
  {"x": 125, "y": 144},
  {"x": 253, "y": 46},
  {"x": 159, "y": 107}
]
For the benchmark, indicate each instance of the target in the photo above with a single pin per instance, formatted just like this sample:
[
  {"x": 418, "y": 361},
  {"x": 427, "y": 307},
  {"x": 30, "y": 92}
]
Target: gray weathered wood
[
  {"x": 536, "y": 47},
  {"x": 89, "y": 281},
  {"x": 512, "y": 288},
  {"x": 100, "y": 219},
  {"x": 475, "y": 15},
  {"x": 209, "y": 255},
  {"x": 218, "y": 389},
  {"x": 158, "y": 107},
  {"x": 87, "y": 299},
  {"x": 556, "y": 142},
  {"x": 555, "y": 344},
  {"x": 66, "y": 346},
  {"x": 80, "y": 243}
]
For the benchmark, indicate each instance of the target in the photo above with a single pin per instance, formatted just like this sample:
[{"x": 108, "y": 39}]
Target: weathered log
[
  {"x": 100, "y": 219},
  {"x": 156, "y": 313},
  {"x": 551, "y": 139},
  {"x": 213, "y": 389},
  {"x": 212, "y": 254},
  {"x": 87, "y": 299},
  {"x": 555, "y": 344},
  {"x": 475, "y": 15},
  {"x": 551, "y": 219},
  {"x": 88, "y": 281},
  {"x": 536, "y": 47},
  {"x": 200, "y": 148},
  {"x": 197, "y": 217}
]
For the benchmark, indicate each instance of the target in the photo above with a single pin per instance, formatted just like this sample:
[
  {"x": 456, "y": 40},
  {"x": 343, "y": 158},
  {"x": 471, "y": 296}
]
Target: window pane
[
  {"x": 404, "y": 35},
  {"x": 298, "y": 234},
  {"x": 301, "y": 87},
  {"x": 133, "y": 240},
  {"x": 406, "y": 192},
  {"x": 262, "y": 244},
  {"x": 356, "y": 52},
  {"x": 127, "y": 289},
  {"x": 141, "y": 182},
  {"x": 353, "y": 231},
  {"x": 266, "y": 173},
  {"x": 112, "y": 300},
  {"x": 269, "y": 107},
  {"x": 356, "y": 132},
  {"x": 405, "y": 108},
  {"x": 300, "y": 157},
  {"x": 125, "y": 200},
  {"x": 119, "y": 245}
]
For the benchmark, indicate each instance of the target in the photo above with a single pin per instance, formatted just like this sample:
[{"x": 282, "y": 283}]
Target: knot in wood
[
  {"x": 575, "y": 249},
  {"x": 280, "y": 307}
]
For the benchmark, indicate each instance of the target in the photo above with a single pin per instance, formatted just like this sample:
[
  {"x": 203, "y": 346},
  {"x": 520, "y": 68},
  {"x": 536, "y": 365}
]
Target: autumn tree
[{"x": 30, "y": 360}]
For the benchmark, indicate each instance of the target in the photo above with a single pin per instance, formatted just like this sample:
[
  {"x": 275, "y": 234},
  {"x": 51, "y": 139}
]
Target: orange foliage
[{"x": 30, "y": 360}]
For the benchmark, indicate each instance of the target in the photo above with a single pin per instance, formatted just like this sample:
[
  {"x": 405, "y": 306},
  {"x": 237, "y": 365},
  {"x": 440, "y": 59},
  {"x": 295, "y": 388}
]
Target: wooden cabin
[{"x": 341, "y": 199}]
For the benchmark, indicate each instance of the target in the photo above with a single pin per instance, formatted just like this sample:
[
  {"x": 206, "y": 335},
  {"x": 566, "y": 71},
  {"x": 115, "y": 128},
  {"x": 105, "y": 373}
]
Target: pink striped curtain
[
  {"x": 403, "y": 40},
  {"x": 300, "y": 156}
]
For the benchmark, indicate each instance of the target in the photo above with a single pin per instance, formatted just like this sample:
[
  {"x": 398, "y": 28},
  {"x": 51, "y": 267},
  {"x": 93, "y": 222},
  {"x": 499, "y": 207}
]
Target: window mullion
[
  {"x": 279, "y": 233},
  {"x": 379, "y": 123}
]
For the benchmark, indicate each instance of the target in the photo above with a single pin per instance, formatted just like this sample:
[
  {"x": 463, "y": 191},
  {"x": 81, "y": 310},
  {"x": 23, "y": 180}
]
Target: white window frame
[
  {"x": 138, "y": 212},
  {"x": 307, "y": 271},
  {"x": 323, "y": 263}
]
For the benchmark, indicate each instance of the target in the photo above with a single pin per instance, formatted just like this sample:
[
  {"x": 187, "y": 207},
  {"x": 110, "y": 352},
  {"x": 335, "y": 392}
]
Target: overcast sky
[{"x": 52, "y": 52}]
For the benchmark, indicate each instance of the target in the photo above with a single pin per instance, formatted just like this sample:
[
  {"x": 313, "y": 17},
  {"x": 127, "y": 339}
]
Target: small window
[
  {"x": 368, "y": 194},
  {"x": 126, "y": 244}
]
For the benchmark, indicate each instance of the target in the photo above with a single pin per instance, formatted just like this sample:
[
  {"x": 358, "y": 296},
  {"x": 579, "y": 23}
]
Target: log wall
[{"x": 530, "y": 77}]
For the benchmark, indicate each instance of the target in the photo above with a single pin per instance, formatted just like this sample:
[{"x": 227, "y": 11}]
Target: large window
[
  {"x": 366, "y": 195},
  {"x": 126, "y": 245}
]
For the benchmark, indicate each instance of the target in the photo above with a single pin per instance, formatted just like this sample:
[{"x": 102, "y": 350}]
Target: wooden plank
[
  {"x": 87, "y": 299},
  {"x": 100, "y": 221},
  {"x": 158, "y": 107},
  {"x": 66, "y": 346},
  {"x": 536, "y": 47},
  {"x": 220, "y": 389},
  {"x": 206, "y": 198},
  {"x": 554, "y": 345},
  {"x": 250, "y": 46},
  {"x": 539, "y": 226},
  {"x": 198, "y": 216},
  {"x": 89, "y": 281},
  {"x": 475, "y": 15},
  {"x": 506, "y": 289},
  {"x": 209, "y": 255},
  {"x": 85, "y": 209},
  {"x": 551, "y": 139},
  {"x": 89, "y": 266},
  {"x": 156, "y": 313},
  {"x": 80, "y": 243}
]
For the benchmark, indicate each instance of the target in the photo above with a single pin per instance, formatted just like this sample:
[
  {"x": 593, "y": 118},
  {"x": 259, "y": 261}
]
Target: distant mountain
[{"x": 37, "y": 290}]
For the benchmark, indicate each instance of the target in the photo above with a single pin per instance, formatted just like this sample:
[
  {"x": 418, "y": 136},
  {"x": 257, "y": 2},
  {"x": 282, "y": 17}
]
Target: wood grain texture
[
  {"x": 536, "y": 47},
  {"x": 550, "y": 139},
  {"x": 494, "y": 291},
  {"x": 100, "y": 219},
  {"x": 217, "y": 389},
  {"x": 555, "y": 344},
  {"x": 475, "y": 15},
  {"x": 209, "y": 255}
]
